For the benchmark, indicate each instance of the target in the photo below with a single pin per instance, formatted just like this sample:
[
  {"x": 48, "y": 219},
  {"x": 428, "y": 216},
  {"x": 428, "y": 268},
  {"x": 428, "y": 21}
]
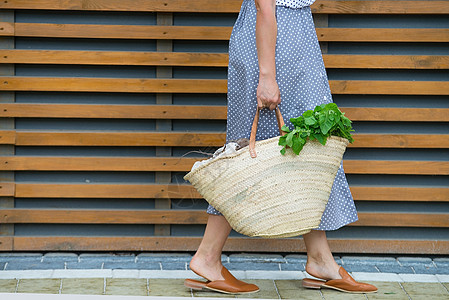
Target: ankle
[
  {"x": 205, "y": 258},
  {"x": 321, "y": 260},
  {"x": 323, "y": 268}
]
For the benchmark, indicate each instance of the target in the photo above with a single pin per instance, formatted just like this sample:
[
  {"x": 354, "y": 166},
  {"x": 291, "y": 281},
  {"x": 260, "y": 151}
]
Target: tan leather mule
[
  {"x": 230, "y": 285},
  {"x": 346, "y": 284}
]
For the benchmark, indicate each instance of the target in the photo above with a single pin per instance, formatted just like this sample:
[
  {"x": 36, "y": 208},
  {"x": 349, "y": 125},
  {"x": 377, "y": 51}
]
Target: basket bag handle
[{"x": 252, "y": 139}]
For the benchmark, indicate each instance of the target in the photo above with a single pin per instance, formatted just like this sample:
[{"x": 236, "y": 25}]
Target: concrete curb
[{"x": 180, "y": 274}]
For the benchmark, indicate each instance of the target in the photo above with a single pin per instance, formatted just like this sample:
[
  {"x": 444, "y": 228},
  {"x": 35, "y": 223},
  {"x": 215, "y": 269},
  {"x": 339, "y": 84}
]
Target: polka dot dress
[
  {"x": 303, "y": 84},
  {"x": 294, "y": 3}
]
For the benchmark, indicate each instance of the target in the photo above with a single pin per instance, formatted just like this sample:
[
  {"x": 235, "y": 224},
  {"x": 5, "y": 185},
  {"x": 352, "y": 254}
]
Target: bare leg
[
  {"x": 207, "y": 259},
  {"x": 320, "y": 262}
]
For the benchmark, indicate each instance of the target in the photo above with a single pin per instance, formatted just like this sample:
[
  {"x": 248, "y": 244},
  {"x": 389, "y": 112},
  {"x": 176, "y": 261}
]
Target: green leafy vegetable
[{"x": 325, "y": 120}]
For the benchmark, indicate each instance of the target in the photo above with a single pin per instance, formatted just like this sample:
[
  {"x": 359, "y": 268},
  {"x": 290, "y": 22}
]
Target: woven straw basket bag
[{"x": 268, "y": 194}]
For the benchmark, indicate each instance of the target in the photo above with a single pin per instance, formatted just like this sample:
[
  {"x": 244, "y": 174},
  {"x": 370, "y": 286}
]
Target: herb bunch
[{"x": 325, "y": 120}]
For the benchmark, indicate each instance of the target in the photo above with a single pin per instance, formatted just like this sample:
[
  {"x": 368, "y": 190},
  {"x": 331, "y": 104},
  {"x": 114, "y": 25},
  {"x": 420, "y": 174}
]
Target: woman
[{"x": 274, "y": 50}]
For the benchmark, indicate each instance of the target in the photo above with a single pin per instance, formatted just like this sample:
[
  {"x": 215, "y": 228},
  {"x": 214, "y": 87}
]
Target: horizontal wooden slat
[
  {"x": 133, "y": 85},
  {"x": 382, "y": 35},
  {"x": 186, "y": 191},
  {"x": 401, "y": 141},
  {"x": 213, "y": 32},
  {"x": 119, "y": 31},
  {"x": 7, "y": 189},
  {"x": 90, "y": 216},
  {"x": 21, "y": 110},
  {"x": 134, "y": 58},
  {"x": 175, "y": 164},
  {"x": 66, "y": 163},
  {"x": 402, "y": 219},
  {"x": 6, "y": 243},
  {"x": 118, "y": 85},
  {"x": 131, "y": 191},
  {"x": 231, "y": 6},
  {"x": 399, "y": 194},
  {"x": 213, "y": 112},
  {"x": 386, "y": 61},
  {"x": 410, "y": 167},
  {"x": 238, "y": 244},
  {"x": 402, "y": 114},
  {"x": 198, "y": 139}
]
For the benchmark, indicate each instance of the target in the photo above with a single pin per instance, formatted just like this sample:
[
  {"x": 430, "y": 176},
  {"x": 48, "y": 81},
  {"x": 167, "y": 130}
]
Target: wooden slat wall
[{"x": 101, "y": 102}]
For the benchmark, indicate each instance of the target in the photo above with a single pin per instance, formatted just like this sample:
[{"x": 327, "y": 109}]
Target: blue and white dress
[{"x": 302, "y": 81}]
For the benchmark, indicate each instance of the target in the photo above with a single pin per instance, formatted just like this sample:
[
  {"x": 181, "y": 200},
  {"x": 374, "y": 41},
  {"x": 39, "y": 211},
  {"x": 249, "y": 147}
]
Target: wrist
[{"x": 267, "y": 74}]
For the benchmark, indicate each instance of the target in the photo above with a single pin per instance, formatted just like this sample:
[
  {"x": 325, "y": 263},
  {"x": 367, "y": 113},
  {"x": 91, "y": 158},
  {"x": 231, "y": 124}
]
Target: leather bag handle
[{"x": 252, "y": 139}]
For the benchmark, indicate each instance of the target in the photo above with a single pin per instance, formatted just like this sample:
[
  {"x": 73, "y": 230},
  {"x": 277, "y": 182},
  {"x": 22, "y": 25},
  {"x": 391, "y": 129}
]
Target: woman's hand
[{"x": 268, "y": 94}]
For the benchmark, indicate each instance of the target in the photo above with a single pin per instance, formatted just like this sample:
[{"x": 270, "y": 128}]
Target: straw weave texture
[{"x": 272, "y": 195}]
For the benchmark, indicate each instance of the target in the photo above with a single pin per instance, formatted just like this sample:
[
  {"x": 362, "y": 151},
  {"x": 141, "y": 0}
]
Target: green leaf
[
  {"x": 325, "y": 122},
  {"x": 282, "y": 140},
  {"x": 320, "y": 138},
  {"x": 297, "y": 145},
  {"x": 283, "y": 151},
  {"x": 299, "y": 121},
  {"x": 289, "y": 140},
  {"x": 285, "y": 128}
]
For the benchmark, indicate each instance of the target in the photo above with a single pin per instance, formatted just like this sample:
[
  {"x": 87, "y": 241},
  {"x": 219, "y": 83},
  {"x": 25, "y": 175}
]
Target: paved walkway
[{"x": 161, "y": 275}]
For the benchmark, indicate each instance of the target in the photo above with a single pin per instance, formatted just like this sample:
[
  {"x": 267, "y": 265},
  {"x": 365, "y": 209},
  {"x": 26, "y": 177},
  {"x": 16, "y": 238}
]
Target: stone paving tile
[
  {"x": 387, "y": 290},
  {"x": 44, "y": 286},
  {"x": 211, "y": 294},
  {"x": 395, "y": 269},
  {"x": 126, "y": 286},
  {"x": 33, "y": 265},
  {"x": 254, "y": 257},
  {"x": 30, "y": 259},
  {"x": 376, "y": 296},
  {"x": 4, "y": 257},
  {"x": 425, "y": 269},
  {"x": 168, "y": 288},
  {"x": 8, "y": 285},
  {"x": 293, "y": 289},
  {"x": 299, "y": 293},
  {"x": 252, "y": 266},
  {"x": 87, "y": 286},
  {"x": 296, "y": 258},
  {"x": 60, "y": 257},
  {"x": 132, "y": 265},
  {"x": 442, "y": 269},
  {"x": 106, "y": 258},
  {"x": 293, "y": 267},
  {"x": 446, "y": 285},
  {"x": 368, "y": 260},
  {"x": 416, "y": 289},
  {"x": 167, "y": 257},
  {"x": 337, "y": 295},
  {"x": 413, "y": 261},
  {"x": 174, "y": 265},
  {"x": 267, "y": 289},
  {"x": 288, "y": 284},
  {"x": 84, "y": 265}
]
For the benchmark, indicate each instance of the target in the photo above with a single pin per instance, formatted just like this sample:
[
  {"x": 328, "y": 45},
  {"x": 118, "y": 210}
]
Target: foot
[
  {"x": 324, "y": 270},
  {"x": 346, "y": 284},
  {"x": 206, "y": 267}
]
